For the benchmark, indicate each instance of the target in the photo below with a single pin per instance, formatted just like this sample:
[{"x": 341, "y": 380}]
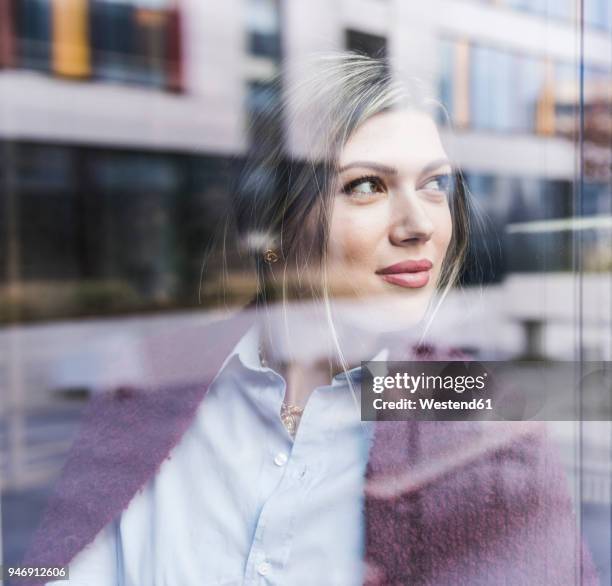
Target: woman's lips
[
  {"x": 409, "y": 273},
  {"x": 411, "y": 280}
]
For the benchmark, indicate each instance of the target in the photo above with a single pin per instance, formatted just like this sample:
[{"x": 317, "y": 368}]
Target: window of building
[
  {"x": 128, "y": 41},
  {"x": 263, "y": 22},
  {"x": 493, "y": 79},
  {"x": 491, "y": 89},
  {"x": 454, "y": 82},
  {"x": 136, "y": 42},
  {"x": 33, "y": 31},
  {"x": 103, "y": 231},
  {"x": 506, "y": 90},
  {"x": 366, "y": 43},
  {"x": 503, "y": 242}
]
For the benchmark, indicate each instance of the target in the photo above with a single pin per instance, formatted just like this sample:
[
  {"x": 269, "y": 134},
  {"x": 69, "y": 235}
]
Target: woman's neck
[{"x": 300, "y": 344}]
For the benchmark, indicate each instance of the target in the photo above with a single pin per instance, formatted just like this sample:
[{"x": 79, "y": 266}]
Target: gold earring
[{"x": 270, "y": 256}]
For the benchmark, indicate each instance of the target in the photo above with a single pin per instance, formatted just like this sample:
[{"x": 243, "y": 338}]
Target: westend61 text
[
  {"x": 429, "y": 404},
  {"x": 412, "y": 384}
]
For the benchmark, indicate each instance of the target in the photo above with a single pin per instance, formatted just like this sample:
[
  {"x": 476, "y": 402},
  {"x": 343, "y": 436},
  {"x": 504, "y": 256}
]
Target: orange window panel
[{"x": 71, "y": 55}]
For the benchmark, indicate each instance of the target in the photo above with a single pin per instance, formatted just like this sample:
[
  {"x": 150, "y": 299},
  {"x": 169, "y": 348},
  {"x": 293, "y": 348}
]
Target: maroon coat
[{"x": 446, "y": 502}]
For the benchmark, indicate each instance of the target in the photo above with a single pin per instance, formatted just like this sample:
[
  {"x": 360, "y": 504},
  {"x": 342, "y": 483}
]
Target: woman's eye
[
  {"x": 439, "y": 183},
  {"x": 364, "y": 186}
]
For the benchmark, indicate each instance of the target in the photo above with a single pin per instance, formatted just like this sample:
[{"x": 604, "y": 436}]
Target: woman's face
[{"x": 391, "y": 222}]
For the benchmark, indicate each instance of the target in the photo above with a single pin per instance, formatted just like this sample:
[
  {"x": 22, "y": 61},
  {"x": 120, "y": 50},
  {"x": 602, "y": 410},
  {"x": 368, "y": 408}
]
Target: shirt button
[
  {"x": 264, "y": 568},
  {"x": 280, "y": 459}
]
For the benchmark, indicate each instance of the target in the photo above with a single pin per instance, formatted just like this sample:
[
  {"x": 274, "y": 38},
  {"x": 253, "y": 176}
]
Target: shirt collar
[{"x": 247, "y": 350}]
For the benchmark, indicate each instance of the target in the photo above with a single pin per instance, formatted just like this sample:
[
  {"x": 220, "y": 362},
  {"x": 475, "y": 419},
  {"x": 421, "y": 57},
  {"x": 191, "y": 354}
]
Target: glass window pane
[{"x": 171, "y": 167}]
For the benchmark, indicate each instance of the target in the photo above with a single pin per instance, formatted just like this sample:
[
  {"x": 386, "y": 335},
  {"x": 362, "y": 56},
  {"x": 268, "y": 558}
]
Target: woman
[{"x": 243, "y": 460}]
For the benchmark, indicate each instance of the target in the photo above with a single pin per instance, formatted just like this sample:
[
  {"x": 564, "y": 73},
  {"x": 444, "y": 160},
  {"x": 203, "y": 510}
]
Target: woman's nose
[{"x": 410, "y": 221}]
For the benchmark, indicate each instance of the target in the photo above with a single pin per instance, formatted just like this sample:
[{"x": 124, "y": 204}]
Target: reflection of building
[
  {"x": 110, "y": 110},
  {"x": 116, "y": 123},
  {"x": 119, "y": 41},
  {"x": 120, "y": 122},
  {"x": 516, "y": 75}
]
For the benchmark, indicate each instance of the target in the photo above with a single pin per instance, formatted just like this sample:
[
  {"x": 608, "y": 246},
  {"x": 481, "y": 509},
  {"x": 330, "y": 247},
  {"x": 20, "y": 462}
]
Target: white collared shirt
[{"x": 239, "y": 502}]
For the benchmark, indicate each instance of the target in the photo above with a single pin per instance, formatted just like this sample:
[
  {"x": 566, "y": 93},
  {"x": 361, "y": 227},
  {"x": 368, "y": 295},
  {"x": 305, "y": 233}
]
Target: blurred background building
[{"x": 123, "y": 122}]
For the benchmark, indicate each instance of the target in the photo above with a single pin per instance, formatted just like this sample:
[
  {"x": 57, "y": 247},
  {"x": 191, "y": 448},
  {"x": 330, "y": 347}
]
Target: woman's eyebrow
[
  {"x": 370, "y": 165},
  {"x": 432, "y": 166}
]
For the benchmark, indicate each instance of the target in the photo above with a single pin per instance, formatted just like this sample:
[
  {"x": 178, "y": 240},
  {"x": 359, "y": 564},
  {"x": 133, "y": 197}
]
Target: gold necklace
[{"x": 290, "y": 414}]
